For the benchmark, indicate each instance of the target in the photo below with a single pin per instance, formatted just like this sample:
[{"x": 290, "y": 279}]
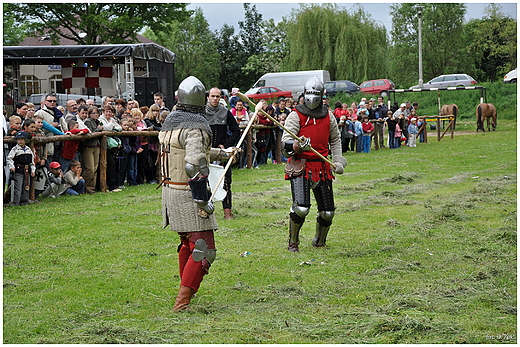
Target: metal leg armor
[
  {"x": 325, "y": 200},
  {"x": 300, "y": 188}
]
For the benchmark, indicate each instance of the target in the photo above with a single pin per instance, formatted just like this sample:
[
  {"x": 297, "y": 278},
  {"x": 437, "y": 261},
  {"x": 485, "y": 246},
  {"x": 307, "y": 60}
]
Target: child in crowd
[
  {"x": 397, "y": 135},
  {"x": 74, "y": 182},
  {"x": 122, "y": 153},
  {"x": 412, "y": 133},
  {"x": 358, "y": 133},
  {"x": 20, "y": 161},
  {"x": 55, "y": 184},
  {"x": 135, "y": 148},
  {"x": 15, "y": 125},
  {"x": 70, "y": 148},
  {"x": 368, "y": 128}
]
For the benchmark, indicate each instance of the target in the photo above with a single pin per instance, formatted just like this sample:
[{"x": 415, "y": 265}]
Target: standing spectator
[
  {"x": 398, "y": 133},
  {"x": 221, "y": 122},
  {"x": 107, "y": 100},
  {"x": 131, "y": 104},
  {"x": 412, "y": 133},
  {"x": 368, "y": 128},
  {"x": 390, "y": 125},
  {"x": 381, "y": 112},
  {"x": 152, "y": 122},
  {"x": 289, "y": 103},
  {"x": 142, "y": 152},
  {"x": 90, "y": 154},
  {"x": 80, "y": 101},
  {"x": 72, "y": 110},
  {"x": 135, "y": 149},
  {"x": 109, "y": 123},
  {"x": 240, "y": 113},
  {"x": 21, "y": 110},
  {"x": 234, "y": 97},
  {"x": 263, "y": 135},
  {"x": 30, "y": 110},
  {"x": 124, "y": 150},
  {"x": 349, "y": 136},
  {"x": 158, "y": 99},
  {"x": 82, "y": 116},
  {"x": 74, "y": 182},
  {"x": 90, "y": 102},
  {"x": 20, "y": 161},
  {"x": 54, "y": 117},
  {"x": 358, "y": 133},
  {"x": 120, "y": 105},
  {"x": 15, "y": 125}
]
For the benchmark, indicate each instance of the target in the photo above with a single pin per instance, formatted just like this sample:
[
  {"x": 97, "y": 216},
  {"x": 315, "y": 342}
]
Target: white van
[{"x": 293, "y": 80}]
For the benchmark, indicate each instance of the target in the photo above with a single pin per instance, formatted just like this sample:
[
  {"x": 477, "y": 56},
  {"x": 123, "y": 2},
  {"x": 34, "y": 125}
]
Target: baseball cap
[
  {"x": 54, "y": 165},
  {"x": 403, "y": 105},
  {"x": 21, "y": 135}
]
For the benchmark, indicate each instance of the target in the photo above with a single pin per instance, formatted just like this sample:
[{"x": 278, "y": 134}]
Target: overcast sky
[{"x": 219, "y": 13}]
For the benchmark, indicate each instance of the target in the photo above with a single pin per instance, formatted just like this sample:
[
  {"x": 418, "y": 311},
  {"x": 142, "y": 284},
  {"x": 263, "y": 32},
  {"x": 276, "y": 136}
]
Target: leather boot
[
  {"x": 228, "y": 214},
  {"x": 183, "y": 298},
  {"x": 294, "y": 236}
]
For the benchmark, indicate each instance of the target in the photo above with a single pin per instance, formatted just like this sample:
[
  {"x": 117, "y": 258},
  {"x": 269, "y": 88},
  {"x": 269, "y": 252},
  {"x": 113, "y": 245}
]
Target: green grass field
[{"x": 422, "y": 250}]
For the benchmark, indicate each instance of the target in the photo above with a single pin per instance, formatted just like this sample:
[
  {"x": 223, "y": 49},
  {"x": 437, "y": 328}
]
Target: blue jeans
[
  {"x": 359, "y": 143},
  {"x": 366, "y": 143},
  {"x": 131, "y": 169},
  {"x": 65, "y": 163},
  {"x": 391, "y": 139},
  {"x": 78, "y": 189}
]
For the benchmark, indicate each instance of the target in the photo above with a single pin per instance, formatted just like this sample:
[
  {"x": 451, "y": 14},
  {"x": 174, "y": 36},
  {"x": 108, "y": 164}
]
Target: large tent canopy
[{"x": 146, "y": 51}]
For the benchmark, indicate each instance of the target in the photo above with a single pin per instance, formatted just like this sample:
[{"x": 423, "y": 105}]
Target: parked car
[
  {"x": 377, "y": 87},
  {"x": 267, "y": 93},
  {"x": 510, "y": 77},
  {"x": 333, "y": 88},
  {"x": 291, "y": 80},
  {"x": 453, "y": 80}
]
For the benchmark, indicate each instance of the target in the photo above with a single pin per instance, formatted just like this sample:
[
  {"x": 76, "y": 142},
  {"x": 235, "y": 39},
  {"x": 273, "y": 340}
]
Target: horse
[
  {"x": 450, "y": 110},
  {"x": 486, "y": 111}
]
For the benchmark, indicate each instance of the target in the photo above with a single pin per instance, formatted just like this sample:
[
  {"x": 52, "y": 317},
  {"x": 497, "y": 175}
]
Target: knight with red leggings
[{"x": 185, "y": 149}]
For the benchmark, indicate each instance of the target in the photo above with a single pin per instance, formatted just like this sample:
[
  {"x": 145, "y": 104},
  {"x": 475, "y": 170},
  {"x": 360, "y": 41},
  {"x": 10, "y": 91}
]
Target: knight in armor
[
  {"x": 317, "y": 127},
  {"x": 185, "y": 143}
]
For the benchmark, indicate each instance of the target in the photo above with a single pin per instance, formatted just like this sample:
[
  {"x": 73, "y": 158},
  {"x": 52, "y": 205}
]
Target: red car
[
  {"x": 377, "y": 87},
  {"x": 267, "y": 93}
]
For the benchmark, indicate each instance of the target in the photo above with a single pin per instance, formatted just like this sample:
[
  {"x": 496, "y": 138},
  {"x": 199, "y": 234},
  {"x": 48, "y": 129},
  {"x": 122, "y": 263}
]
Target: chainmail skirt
[{"x": 181, "y": 213}]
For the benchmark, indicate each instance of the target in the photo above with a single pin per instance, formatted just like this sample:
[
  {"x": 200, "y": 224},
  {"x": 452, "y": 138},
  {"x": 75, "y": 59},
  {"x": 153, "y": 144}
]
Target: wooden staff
[{"x": 244, "y": 98}]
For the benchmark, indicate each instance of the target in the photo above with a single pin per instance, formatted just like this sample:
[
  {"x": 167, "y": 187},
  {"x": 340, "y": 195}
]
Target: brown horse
[
  {"x": 450, "y": 110},
  {"x": 489, "y": 112}
]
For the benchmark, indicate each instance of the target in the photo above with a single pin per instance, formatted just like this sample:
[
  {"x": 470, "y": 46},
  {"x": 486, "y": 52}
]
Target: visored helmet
[
  {"x": 192, "y": 93},
  {"x": 313, "y": 92}
]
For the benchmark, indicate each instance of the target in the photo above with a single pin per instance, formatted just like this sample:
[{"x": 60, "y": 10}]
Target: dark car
[
  {"x": 376, "y": 87},
  {"x": 333, "y": 88}
]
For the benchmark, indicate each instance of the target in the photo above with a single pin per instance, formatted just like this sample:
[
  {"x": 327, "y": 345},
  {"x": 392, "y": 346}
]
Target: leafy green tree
[
  {"x": 102, "y": 22},
  {"x": 443, "y": 46},
  {"x": 14, "y": 31},
  {"x": 327, "y": 37},
  {"x": 274, "y": 40},
  {"x": 250, "y": 39},
  {"x": 492, "y": 42},
  {"x": 194, "y": 46},
  {"x": 232, "y": 58}
]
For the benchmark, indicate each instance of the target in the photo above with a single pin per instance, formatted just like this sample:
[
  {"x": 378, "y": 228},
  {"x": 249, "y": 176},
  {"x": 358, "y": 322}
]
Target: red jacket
[{"x": 71, "y": 147}]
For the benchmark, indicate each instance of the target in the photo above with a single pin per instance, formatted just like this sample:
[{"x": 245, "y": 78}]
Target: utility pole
[{"x": 419, "y": 14}]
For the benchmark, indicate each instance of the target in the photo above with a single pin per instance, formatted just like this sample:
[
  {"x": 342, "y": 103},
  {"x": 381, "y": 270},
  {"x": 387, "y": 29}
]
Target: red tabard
[{"x": 318, "y": 130}]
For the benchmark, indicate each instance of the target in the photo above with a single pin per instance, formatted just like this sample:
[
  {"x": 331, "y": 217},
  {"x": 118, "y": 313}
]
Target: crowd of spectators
[{"x": 72, "y": 167}]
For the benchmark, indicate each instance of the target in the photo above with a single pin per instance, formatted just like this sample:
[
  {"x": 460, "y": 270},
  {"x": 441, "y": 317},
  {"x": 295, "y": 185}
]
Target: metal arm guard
[
  {"x": 287, "y": 149},
  {"x": 199, "y": 189}
]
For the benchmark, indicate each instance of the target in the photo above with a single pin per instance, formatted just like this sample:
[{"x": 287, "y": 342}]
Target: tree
[
  {"x": 14, "y": 32},
  {"x": 102, "y": 22},
  {"x": 492, "y": 44},
  {"x": 194, "y": 46},
  {"x": 250, "y": 39},
  {"x": 232, "y": 58},
  {"x": 327, "y": 37},
  {"x": 273, "y": 39},
  {"x": 444, "y": 49}
]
